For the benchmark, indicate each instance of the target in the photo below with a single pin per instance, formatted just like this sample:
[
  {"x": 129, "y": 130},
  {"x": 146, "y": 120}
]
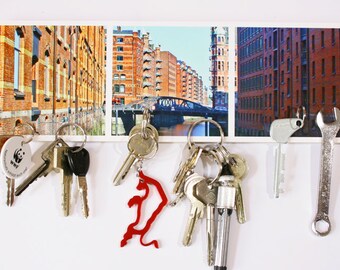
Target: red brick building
[
  {"x": 50, "y": 74},
  {"x": 151, "y": 71},
  {"x": 281, "y": 69}
]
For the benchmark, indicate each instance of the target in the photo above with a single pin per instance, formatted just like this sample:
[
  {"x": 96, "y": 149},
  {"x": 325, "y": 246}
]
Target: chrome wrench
[{"x": 328, "y": 132}]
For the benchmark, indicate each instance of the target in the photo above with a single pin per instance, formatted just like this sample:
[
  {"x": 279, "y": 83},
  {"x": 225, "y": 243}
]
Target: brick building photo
[
  {"x": 142, "y": 69},
  {"x": 50, "y": 75},
  {"x": 280, "y": 69}
]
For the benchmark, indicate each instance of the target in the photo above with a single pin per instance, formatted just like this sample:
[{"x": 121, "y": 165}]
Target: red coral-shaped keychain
[{"x": 143, "y": 184}]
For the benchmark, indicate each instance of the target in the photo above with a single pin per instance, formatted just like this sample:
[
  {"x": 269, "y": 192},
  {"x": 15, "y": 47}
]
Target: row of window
[
  {"x": 117, "y": 77},
  {"x": 253, "y": 65},
  {"x": 252, "y": 83},
  {"x": 249, "y": 33},
  {"x": 253, "y": 47}
]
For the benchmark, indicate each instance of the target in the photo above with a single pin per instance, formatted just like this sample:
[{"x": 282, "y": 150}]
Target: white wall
[{"x": 35, "y": 235}]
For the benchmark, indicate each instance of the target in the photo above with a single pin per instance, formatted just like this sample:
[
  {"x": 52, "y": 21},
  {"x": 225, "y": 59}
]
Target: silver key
[
  {"x": 281, "y": 130},
  {"x": 224, "y": 207},
  {"x": 328, "y": 132},
  {"x": 61, "y": 166},
  {"x": 186, "y": 169},
  {"x": 139, "y": 147},
  {"x": 207, "y": 194},
  {"x": 44, "y": 168},
  {"x": 197, "y": 206}
]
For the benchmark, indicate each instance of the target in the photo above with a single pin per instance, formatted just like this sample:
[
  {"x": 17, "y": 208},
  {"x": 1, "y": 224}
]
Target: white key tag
[{"x": 15, "y": 157}]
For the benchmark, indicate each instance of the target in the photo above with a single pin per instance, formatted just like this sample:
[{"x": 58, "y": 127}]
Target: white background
[{"x": 35, "y": 235}]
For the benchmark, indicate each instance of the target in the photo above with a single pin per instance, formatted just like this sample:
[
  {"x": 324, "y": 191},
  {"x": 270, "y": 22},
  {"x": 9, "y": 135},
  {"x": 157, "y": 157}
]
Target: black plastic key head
[{"x": 79, "y": 161}]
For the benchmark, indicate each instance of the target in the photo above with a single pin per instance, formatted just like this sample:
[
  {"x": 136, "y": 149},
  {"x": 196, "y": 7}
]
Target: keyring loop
[
  {"x": 77, "y": 126},
  {"x": 213, "y": 153},
  {"x": 25, "y": 125},
  {"x": 191, "y": 144},
  {"x": 145, "y": 121}
]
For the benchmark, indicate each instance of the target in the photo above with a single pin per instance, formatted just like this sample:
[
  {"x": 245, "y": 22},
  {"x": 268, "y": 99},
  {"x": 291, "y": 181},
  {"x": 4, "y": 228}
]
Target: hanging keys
[
  {"x": 43, "y": 169},
  {"x": 15, "y": 161},
  {"x": 280, "y": 131},
  {"x": 141, "y": 144},
  {"x": 79, "y": 162}
]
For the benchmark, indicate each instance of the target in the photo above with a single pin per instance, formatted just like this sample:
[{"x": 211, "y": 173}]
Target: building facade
[
  {"x": 219, "y": 74},
  {"x": 49, "y": 74},
  {"x": 151, "y": 71},
  {"x": 281, "y": 69}
]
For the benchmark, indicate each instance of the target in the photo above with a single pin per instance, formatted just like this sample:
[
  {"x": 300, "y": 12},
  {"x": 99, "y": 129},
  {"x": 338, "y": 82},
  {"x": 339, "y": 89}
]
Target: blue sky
[{"x": 190, "y": 44}]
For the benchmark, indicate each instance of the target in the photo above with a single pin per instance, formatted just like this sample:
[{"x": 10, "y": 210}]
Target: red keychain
[{"x": 143, "y": 184}]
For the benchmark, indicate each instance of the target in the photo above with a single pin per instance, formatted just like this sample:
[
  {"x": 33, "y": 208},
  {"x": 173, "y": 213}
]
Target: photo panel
[
  {"x": 180, "y": 73},
  {"x": 50, "y": 75},
  {"x": 282, "y": 69}
]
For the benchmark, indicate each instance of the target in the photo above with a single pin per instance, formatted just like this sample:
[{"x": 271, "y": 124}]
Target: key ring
[
  {"x": 145, "y": 121},
  {"x": 192, "y": 144},
  {"x": 21, "y": 125},
  {"x": 77, "y": 126},
  {"x": 211, "y": 151}
]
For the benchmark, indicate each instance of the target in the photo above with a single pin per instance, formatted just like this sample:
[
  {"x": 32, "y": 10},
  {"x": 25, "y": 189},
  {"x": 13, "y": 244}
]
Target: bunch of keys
[
  {"x": 142, "y": 144},
  {"x": 207, "y": 196},
  {"x": 59, "y": 157},
  {"x": 280, "y": 131},
  {"x": 15, "y": 155}
]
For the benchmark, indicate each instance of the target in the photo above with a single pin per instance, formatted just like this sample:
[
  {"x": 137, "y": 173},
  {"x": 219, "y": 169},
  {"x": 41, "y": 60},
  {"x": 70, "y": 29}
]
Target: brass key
[
  {"x": 44, "y": 168},
  {"x": 239, "y": 170},
  {"x": 60, "y": 164}
]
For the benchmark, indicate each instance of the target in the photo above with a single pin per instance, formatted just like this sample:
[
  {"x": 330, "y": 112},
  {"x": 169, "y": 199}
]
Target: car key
[{"x": 79, "y": 161}]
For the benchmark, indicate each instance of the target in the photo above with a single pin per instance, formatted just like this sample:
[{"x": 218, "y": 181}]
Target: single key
[
  {"x": 44, "y": 168},
  {"x": 224, "y": 207},
  {"x": 15, "y": 160},
  {"x": 10, "y": 191},
  {"x": 281, "y": 130},
  {"x": 207, "y": 194},
  {"x": 239, "y": 170},
  {"x": 61, "y": 166},
  {"x": 80, "y": 163},
  {"x": 197, "y": 207},
  {"x": 139, "y": 148},
  {"x": 186, "y": 169},
  {"x": 322, "y": 225}
]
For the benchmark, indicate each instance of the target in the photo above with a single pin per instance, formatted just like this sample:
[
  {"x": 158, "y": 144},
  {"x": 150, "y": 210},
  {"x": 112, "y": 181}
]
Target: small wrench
[{"x": 328, "y": 132}]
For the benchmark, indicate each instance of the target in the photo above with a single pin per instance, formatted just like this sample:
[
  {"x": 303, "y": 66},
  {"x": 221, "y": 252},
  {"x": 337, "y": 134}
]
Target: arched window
[
  {"x": 219, "y": 65},
  {"x": 219, "y": 51},
  {"x": 116, "y": 77},
  {"x": 219, "y": 39},
  {"x": 222, "y": 51},
  {"x": 219, "y": 80},
  {"x": 122, "y": 76},
  {"x": 222, "y": 65},
  {"x": 222, "y": 80}
]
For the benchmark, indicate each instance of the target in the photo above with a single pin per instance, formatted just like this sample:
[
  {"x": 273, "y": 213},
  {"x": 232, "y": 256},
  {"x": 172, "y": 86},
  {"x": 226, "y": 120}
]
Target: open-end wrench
[{"x": 328, "y": 132}]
